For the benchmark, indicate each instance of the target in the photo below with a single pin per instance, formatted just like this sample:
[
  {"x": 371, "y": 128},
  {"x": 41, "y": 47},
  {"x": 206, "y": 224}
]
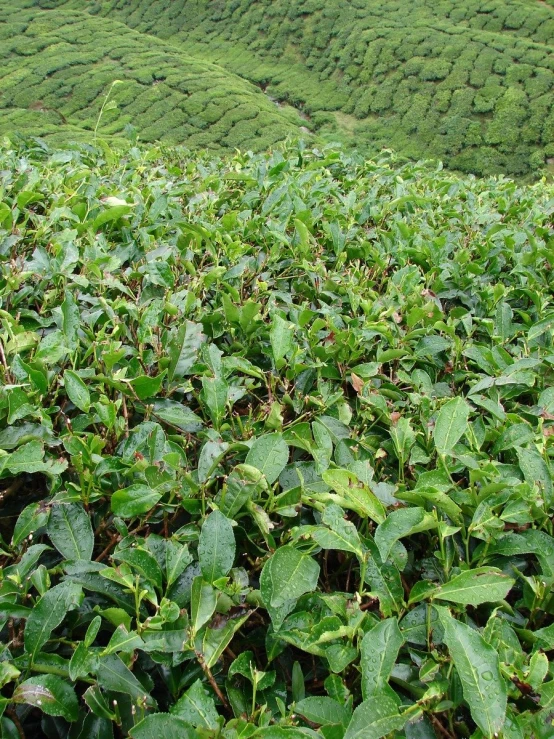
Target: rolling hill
[
  {"x": 59, "y": 67},
  {"x": 471, "y": 85}
]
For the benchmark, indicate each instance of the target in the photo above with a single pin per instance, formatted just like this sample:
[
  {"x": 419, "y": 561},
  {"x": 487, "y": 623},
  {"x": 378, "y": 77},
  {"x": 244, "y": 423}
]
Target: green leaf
[
  {"x": 203, "y": 601},
  {"x": 97, "y": 703},
  {"x": 184, "y": 348},
  {"x": 177, "y": 559},
  {"x": 216, "y": 547},
  {"x": 541, "y": 327},
  {"x": 451, "y": 424},
  {"x": 114, "y": 675},
  {"x": 197, "y": 707},
  {"x": 162, "y": 726},
  {"x": 384, "y": 580},
  {"x": 322, "y": 711},
  {"x": 515, "y": 435},
  {"x": 478, "y": 667},
  {"x": 293, "y": 574},
  {"x": 374, "y": 718},
  {"x": 356, "y": 494},
  {"x": 83, "y": 662},
  {"x": 211, "y": 455},
  {"x": 269, "y": 454},
  {"x": 142, "y": 562},
  {"x": 341, "y": 534},
  {"x": 400, "y": 523},
  {"x": 134, "y": 501},
  {"x": 473, "y": 587},
  {"x": 29, "y": 459},
  {"x": 177, "y": 414},
  {"x": 123, "y": 641},
  {"x": 49, "y": 693},
  {"x": 76, "y": 390},
  {"x": 379, "y": 651},
  {"x": 48, "y": 613},
  {"x": 110, "y": 215},
  {"x": 536, "y": 472},
  {"x": 71, "y": 321},
  {"x": 32, "y": 517},
  {"x": 215, "y": 393},
  {"x": 243, "y": 484},
  {"x": 280, "y": 335},
  {"x": 70, "y": 531},
  {"x": 277, "y": 614},
  {"x": 145, "y": 386}
]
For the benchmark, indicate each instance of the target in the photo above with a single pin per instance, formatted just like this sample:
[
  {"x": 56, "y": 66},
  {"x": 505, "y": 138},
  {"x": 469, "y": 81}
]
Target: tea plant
[
  {"x": 59, "y": 66},
  {"x": 470, "y": 83},
  {"x": 276, "y": 438}
]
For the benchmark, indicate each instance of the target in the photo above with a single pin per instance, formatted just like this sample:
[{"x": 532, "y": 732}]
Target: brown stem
[
  {"x": 113, "y": 541},
  {"x": 13, "y": 488},
  {"x": 208, "y": 673},
  {"x": 125, "y": 415},
  {"x": 5, "y": 364},
  {"x": 15, "y": 718},
  {"x": 440, "y": 727}
]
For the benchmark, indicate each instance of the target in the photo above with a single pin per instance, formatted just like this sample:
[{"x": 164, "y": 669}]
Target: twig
[
  {"x": 125, "y": 415},
  {"x": 440, "y": 727},
  {"x": 15, "y": 718},
  {"x": 113, "y": 541},
  {"x": 208, "y": 673},
  {"x": 103, "y": 525},
  {"x": 4, "y": 363},
  {"x": 347, "y": 588},
  {"x": 13, "y": 488},
  {"x": 230, "y": 652}
]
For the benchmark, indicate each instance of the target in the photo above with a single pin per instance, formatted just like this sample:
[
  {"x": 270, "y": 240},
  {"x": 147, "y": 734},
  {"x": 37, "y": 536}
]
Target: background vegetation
[
  {"x": 471, "y": 83},
  {"x": 275, "y": 448},
  {"x": 58, "y": 68}
]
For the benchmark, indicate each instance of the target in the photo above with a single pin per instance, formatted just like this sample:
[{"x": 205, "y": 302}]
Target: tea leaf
[
  {"x": 48, "y": 614},
  {"x": 473, "y": 587},
  {"x": 478, "y": 666},
  {"x": 49, "y": 693},
  {"x": 70, "y": 531},
  {"x": 379, "y": 650},
  {"x": 216, "y": 548},
  {"x": 374, "y": 718},
  {"x": 269, "y": 454},
  {"x": 451, "y": 424},
  {"x": 292, "y": 574}
]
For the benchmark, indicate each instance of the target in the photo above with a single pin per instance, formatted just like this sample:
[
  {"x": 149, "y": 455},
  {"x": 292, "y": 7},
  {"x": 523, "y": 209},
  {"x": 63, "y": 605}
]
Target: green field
[
  {"x": 58, "y": 66},
  {"x": 472, "y": 86}
]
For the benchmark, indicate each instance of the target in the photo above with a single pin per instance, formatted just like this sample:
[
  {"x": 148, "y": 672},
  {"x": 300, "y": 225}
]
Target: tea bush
[
  {"x": 275, "y": 447},
  {"x": 469, "y": 83},
  {"x": 59, "y": 66}
]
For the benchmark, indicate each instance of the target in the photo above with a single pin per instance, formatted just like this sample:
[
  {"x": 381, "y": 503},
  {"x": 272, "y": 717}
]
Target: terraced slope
[
  {"x": 59, "y": 65},
  {"x": 472, "y": 85}
]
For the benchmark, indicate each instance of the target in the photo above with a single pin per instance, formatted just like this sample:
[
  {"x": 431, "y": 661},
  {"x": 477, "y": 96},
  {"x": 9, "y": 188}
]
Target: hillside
[
  {"x": 276, "y": 440},
  {"x": 472, "y": 86},
  {"x": 58, "y": 66}
]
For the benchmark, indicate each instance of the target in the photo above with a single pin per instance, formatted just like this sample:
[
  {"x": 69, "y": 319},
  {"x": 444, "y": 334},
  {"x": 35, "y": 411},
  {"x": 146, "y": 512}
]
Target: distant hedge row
[
  {"x": 58, "y": 67},
  {"x": 470, "y": 83}
]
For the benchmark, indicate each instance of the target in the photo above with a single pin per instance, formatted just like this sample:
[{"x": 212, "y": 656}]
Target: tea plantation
[
  {"x": 276, "y": 440},
  {"x": 58, "y": 68},
  {"x": 470, "y": 83},
  {"x": 277, "y": 406}
]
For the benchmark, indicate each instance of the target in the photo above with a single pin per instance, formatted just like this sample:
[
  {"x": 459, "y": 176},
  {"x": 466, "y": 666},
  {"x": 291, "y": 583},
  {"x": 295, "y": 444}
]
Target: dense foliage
[
  {"x": 470, "y": 83},
  {"x": 276, "y": 438},
  {"x": 58, "y": 70}
]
